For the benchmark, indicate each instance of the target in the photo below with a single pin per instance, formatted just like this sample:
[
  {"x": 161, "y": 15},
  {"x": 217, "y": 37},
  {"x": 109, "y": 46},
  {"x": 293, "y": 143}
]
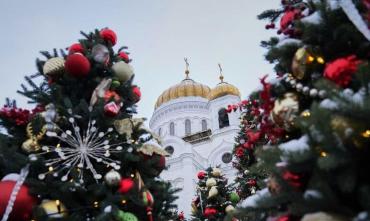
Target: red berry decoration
[
  {"x": 77, "y": 65},
  {"x": 22, "y": 209},
  {"x": 341, "y": 70},
  {"x": 201, "y": 175},
  {"x": 252, "y": 182},
  {"x": 109, "y": 36},
  {"x": 126, "y": 185},
  {"x": 209, "y": 212},
  {"x": 124, "y": 56},
  {"x": 137, "y": 93},
  {"x": 76, "y": 48},
  {"x": 239, "y": 152},
  {"x": 288, "y": 18}
]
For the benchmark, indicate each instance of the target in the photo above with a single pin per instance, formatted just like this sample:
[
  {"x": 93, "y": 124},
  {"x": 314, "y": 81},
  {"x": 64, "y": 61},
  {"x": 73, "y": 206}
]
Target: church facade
[{"x": 197, "y": 132}]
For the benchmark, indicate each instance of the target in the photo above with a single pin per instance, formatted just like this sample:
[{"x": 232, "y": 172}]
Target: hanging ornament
[
  {"x": 112, "y": 109},
  {"x": 194, "y": 209},
  {"x": 201, "y": 174},
  {"x": 301, "y": 59},
  {"x": 229, "y": 209},
  {"x": 122, "y": 71},
  {"x": 100, "y": 54},
  {"x": 77, "y": 65},
  {"x": 32, "y": 144},
  {"x": 216, "y": 172},
  {"x": 285, "y": 110},
  {"x": 50, "y": 115},
  {"x": 211, "y": 182},
  {"x": 234, "y": 197},
  {"x": 148, "y": 198},
  {"x": 76, "y": 48},
  {"x": 109, "y": 36},
  {"x": 154, "y": 153},
  {"x": 82, "y": 147},
  {"x": 99, "y": 91},
  {"x": 341, "y": 70},
  {"x": 212, "y": 192},
  {"x": 112, "y": 178},
  {"x": 210, "y": 212},
  {"x": 137, "y": 93},
  {"x": 23, "y": 204},
  {"x": 124, "y": 56},
  {"x": 54, "y": 208},
  {"x": 111, "y": 96},
  {"x": 126, "y": 216},
  {"x": 126, "y": 185},
  {"x": 54, "y": 67}
]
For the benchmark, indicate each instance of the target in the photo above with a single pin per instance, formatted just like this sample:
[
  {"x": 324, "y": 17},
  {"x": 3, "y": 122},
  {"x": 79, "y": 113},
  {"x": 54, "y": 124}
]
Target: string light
[
  {"x": 123, "y": 201},
  {"x": 132, "y": 175},
  {"x": 306, "y": 114},
  {"x": 96, "y": 204},
  {"x": 310, "y": 59},
  {"x": 320, "y": 60},
  {"x": 323, "y": 154},
  {"x": 366, "y": 134},
  {"x": 51, "y": 169}
]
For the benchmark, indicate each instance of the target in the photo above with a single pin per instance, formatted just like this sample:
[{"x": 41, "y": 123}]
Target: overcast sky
[{"x": 159, "y": 34}]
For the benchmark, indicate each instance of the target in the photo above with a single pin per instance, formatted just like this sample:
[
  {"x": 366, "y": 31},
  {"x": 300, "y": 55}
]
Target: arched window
[
  {"x": 160, "y": 132},
  {"x": 223, "y": 118},
  {"x": 204, "y": 125},
  {"x": 187, "y": 127},
  {"x": 172, "y": 128}
]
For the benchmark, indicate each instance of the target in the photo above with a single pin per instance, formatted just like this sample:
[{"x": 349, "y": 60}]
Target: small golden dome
[
  {"x": 186, "y": 88},
  {"x": 223, "y": 89}
]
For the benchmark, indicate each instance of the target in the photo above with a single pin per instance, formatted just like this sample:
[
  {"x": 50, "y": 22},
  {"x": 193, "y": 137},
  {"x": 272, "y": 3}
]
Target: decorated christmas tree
[
  {"x": 317, "y": 169},
  {"x": 214, "y": 198},
  {"x": 80, "y": 154}
]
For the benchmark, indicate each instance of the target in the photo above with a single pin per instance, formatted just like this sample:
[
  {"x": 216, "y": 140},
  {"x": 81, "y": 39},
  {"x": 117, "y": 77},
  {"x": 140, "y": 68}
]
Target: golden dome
[
  {"x": 223, "y": 88},
  {"x": 186, "y": 88}
]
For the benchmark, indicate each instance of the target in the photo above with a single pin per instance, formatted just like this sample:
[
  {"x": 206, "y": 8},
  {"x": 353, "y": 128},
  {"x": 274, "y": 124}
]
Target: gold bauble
[
  {"x": 54, "y": 67},
  {"x": 216, "y": 172},
  {"x": 229, "y": 209},
  {"x": 122, "y": 71},
  {"x": 299, "y": 63},
  {"x": 31, "y": 145},
  {"x": 194, "y": 208},
  {"x": 285, "y": 110},
  {"x": 350, "y": 131},
  {"x": 212, "y": 192},
  {"x": 211, "y": 182},
  {"x": 54, "y": 208}
]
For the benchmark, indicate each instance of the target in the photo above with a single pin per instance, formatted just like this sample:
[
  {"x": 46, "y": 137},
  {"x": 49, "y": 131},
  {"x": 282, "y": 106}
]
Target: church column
[{"x": 188, "y": 190}]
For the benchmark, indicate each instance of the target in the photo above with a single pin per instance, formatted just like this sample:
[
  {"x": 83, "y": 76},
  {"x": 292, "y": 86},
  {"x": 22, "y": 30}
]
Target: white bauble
[
  {"x": 100, "y": 53},
  {"x": 122, "y": 71},
  {"x": 112, "y": 178},
  {"x": 212, "y": 192},
  {"x": 54, "y": 67},
  {"x": 11, "y": 177},
  {"x": 229, "y": 209},
  {"x": 211, "y": 182},
  {"x": 216, "y": 172}
]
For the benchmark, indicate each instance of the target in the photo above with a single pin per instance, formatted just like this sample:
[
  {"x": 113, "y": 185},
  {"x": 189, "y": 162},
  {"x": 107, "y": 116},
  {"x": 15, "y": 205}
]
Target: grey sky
[{"x": 159, "y": 34}]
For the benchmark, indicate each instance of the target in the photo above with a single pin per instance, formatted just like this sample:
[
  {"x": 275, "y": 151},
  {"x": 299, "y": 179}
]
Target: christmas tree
[
  {"x": 317, "y": 169},
  {"x": 214, "y": 199},
  {"x": 80, "y": 154}
]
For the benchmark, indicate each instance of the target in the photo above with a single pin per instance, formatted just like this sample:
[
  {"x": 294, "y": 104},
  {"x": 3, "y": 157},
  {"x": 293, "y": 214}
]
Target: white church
[{"x": 192, "y": 122}]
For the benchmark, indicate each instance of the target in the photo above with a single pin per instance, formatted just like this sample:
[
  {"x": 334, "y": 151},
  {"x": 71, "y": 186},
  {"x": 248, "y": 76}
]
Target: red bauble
[
  {"x": 112, "y": 109},
  {"x": 124, "y": 56},
  {"x": 77, "y": 65},
  {"x": 109, "y": 36},
  {"x": 126, "y": 185},
  {"x": 76, "y": 48},
  {"x": 22, "y": 209},
  {"x": 341, "y": 70},
  {"x": 137, "y": 93},
  {"x": 209, "y": 212},
  {"x": 201, "y": 174}
]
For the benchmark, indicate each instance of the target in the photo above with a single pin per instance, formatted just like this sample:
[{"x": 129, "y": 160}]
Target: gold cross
[
  {"x": 221, "y": 75},
  {"x": 186, "y": 68}
]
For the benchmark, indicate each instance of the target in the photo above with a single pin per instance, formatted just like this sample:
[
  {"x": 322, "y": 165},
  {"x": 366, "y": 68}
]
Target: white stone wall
[{"x": 188, "y": 159}]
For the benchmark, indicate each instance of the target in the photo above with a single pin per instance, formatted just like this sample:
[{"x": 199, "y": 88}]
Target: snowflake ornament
[{"x": 81, "y": 151}]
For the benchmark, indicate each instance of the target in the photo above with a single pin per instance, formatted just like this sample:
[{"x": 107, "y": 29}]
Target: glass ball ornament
[{"x": 112, "y": 178}]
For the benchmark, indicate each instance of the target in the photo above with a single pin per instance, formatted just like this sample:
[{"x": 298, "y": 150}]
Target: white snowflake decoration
[{"x": 82, "y": 148}]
